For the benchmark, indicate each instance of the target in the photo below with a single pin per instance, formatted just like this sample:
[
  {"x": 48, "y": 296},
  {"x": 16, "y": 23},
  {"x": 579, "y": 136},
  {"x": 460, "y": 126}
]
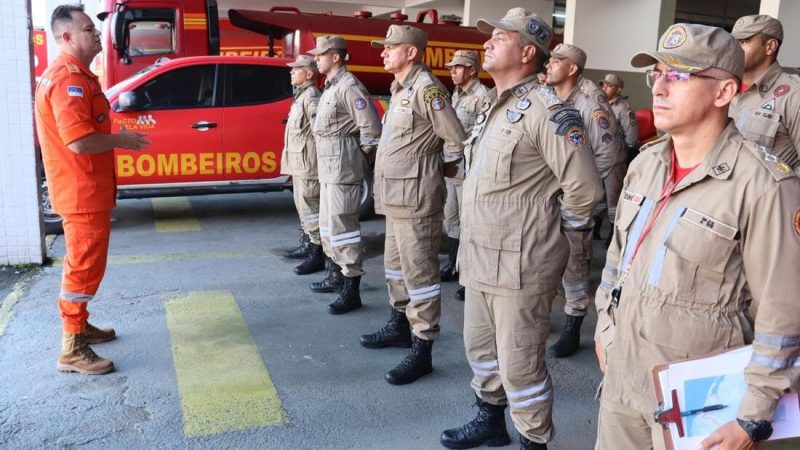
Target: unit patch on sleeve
[
  {"x": 797, "y": 223},
  {"x": 566, "y": 118},
  {"x": 437, "y": 104},
  {"x": 781, "y": 90},
  {"x": 360, "y": 103},
  {"x": 432, "y": 93},
  {"x": 606, "y": 138},
  {"x": 75, "y": 91},
  {"x": 575, "y": 136}
]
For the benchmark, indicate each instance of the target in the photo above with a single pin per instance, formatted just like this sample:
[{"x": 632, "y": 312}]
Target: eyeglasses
[{"x": 673, "y": 75}]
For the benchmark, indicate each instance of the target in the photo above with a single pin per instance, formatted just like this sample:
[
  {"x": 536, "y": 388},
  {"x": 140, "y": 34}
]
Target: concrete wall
[
  {"x": 788, "y": 12},
  {"x": 21, "y": 237}
]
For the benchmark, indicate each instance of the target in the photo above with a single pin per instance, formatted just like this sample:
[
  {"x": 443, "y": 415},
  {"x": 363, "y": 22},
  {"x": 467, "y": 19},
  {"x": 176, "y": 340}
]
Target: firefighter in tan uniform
[
  {"x": 767, "y": 112},
  {"x": 612, "y": 86},
  {"x": 563, "y": 72},
  {"x": 530, "y": 175},
  {"x": 422, "y": 140},
  {"x": 468, "y": 96},
  {"x": 707, "y": 224},
  {"x": 347, "y": 130},
  {"x": 300, "y": 158}
]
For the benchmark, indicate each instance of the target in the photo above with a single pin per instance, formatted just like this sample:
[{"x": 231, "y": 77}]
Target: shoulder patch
[
  {"x": 432, "y": 92},
  {"x": 565, "y": 119},
  {"x": 360, "y": 103},
  {"x": 548, "y": 97},
  {"x": 648, "y": 145},
  {"x": 75, "y": 91},
  {"x": 778, "y": 168},
  {"x": 796, "y": 222},
  {"x": 575, "y": 136},
  {"x": 73, "y": 68},
  {"x": 606, "y": 138}
]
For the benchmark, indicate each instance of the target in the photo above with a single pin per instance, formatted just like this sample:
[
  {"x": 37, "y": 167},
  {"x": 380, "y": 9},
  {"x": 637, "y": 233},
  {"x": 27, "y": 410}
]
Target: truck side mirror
[{"x": 128, "y": 101}]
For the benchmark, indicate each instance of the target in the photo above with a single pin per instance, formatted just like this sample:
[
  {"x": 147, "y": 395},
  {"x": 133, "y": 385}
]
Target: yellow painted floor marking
[
  {"x": 7, "y": 307},
  {"x": 223, "y": 382},
  {"x": 174, "y": 215},
  {"x": 58, "y": 261}
]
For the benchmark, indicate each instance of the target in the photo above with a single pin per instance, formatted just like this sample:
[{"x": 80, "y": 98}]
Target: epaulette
[
  {"x": 778, "y": 168},
  {"x": 649, "y": 144},
  {"x": 548, "y": 96},
  {"x": 72, "y": 68},
  {"x": 351, "y": 79}
]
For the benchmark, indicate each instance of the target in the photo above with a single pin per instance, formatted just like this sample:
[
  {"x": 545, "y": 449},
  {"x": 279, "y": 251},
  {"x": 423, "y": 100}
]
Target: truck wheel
[
  {"x": 52, "y": 221},
  {"x": 367, "y": 210}
]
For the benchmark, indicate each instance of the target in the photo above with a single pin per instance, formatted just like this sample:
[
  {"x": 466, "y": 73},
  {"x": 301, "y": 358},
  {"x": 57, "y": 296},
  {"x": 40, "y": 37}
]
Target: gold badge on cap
[{"x": 675, "y": 38}]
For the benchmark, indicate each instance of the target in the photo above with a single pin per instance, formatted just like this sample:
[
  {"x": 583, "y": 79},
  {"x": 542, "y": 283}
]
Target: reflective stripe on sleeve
[
  {"x": 424, "y": 293},
  {"x": 393, "y": 274},
  {"x": 661, "y": 253}
]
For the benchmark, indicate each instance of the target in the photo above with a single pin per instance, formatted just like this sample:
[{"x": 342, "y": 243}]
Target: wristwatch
[{"x": 758, "y": 430}]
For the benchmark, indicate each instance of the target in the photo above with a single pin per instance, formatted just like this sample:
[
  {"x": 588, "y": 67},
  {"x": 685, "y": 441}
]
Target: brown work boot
[
  {"x": 94, "y": 335},
  {"x": 77, "y": 356}
]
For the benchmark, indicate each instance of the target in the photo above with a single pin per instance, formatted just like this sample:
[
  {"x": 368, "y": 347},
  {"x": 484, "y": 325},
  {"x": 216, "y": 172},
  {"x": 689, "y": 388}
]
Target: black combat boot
[
  {"x": 314, "y": 262},
  {"x": 449, "y": 272},
  {"x": 333, "y": 279},
  {"x": 570, "y": 338},
  {"x": 527, "y": 444},
  {"x": 417, "y": 363},
  {"x": 489, "y": 428},
  {"x": 460, "y": 294},
  {"x": 349, "y": 298},
  {"x": 301, "y": 251},
  {"x": 598, "y": 223},
  {"x": 396, "y": 333}
]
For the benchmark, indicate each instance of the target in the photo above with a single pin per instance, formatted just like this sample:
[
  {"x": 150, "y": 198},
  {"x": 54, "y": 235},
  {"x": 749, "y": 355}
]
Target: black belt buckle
[{"x": 615, "y": 295}]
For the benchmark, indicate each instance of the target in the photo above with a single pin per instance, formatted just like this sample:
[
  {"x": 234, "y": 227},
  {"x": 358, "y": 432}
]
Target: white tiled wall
[{"x": 21, "y": 237}]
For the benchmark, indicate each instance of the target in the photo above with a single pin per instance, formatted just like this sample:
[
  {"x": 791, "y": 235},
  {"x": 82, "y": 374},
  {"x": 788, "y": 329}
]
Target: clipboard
[{"x": 669, "y": 408}]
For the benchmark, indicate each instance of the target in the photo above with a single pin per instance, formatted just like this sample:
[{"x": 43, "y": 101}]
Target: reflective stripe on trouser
[
  {"x": 306, "y": 200},
  {"x": 612, "y": 184},
  {"x": 505, "y": 341},
  {"x": 339, "y": 228},
  {"x": 452, "y": 207},
  {"x": 576, "y": 274},
  {"x": 622, "y": 428},
  {"x": 411, "y": 264},
  {"x": 86, "y": 237}
]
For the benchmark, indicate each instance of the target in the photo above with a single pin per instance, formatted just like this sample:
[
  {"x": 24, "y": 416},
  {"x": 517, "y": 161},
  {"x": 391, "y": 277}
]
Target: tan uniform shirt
[
  {"x": 299, "y": 149},
  {"x": 768, "y": 113},
  {"x": 729, "y": 235},
  {"x": 409, "y": 172},
  {"x": 467, "y": 101},
  {"x": 601, "y": 128},
  {"x": 530, "y": 174},
  {"x": 346, "y": 123},
  {"x": 627, "y": 120}
]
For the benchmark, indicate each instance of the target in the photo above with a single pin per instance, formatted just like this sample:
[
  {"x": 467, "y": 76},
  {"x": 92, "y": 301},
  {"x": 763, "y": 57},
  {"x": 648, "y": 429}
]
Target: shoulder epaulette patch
[
  {"x": 649, "y": 144},
  {"x": 565, "y": 119},
  {"x": 73, "y": 68},
  {"x": 548, "y": 97},
  {"x": 432, "y": 92},
  {"x": 776, "y": 166}
]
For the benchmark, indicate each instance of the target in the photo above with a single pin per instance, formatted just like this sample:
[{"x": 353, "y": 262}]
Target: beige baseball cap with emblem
[
  {"x": 748, "y": 26},
  {"x": 524, "y": 22},
  {"x": 570, "y": 52},
  {"x": 468, "y": 58},
  {"x": 330, "y": 42},
  {"x": 403, "y": 34},
  {"x": 694, "y": 48},
  {"x": 613, "y": 79},
  {"x": 304, "y": 61}
]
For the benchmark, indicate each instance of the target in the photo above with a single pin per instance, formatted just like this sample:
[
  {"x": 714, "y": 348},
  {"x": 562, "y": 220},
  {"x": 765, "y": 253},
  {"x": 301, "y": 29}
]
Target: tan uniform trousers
[
  {"x": 339, "y": 228},
  {"x": 576, "y": 274},
  {"x": 505, "y": 340},
  {"x": 306, "y": 200},
  {"x": 411, "y": 263},
  {"x": 620, "y": 427},
  {"x": 613, "y": 187},
  {"x": 452, "y": 207}
]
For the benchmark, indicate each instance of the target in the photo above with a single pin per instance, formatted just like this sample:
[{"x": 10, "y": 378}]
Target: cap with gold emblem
[
  {"x": 330, "y": 42},
  {"x": 467, "y": 58},
  {"x": 612, "y": 79},
  {"x": 748, "y": 26},
  {"x": 524, "y": 22},
  {"x": 694, "y": 48},
  {"x": 403, "y": 34},
  {"x": 304, "y": 61},
  {"x": 570, "y": 52}
]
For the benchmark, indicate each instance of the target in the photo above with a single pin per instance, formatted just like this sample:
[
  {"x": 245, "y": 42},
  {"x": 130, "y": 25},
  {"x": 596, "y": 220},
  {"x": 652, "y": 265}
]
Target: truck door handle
[
  {"x": 285, "y": 121},
  {"x": 203, "y": 125}
]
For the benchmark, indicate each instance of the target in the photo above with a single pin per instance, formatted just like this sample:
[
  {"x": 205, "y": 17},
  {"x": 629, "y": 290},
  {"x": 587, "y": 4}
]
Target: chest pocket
[
  {"x": 402, "y": 125},
  {"x": 295, "y": 121},
  {"x": 761, "y": 127},
  {"x": 326, "y": 114},
  {"x": 100, "y": 110},
  {"x": 697, "y": 251},
  {"x": 498, "y": 155}
]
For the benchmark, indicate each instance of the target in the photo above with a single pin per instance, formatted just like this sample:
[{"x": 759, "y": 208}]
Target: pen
[{"x": 708, "y": 408}]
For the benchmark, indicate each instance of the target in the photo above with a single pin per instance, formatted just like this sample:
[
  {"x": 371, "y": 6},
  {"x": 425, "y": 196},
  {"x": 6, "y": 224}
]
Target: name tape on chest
[
  {"x": 709, "y": 223},
  {"x": 633, "y": 197}
]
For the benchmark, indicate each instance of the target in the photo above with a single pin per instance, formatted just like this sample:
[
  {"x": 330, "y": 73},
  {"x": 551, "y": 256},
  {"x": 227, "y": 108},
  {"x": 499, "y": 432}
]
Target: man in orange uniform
[{"x": 72, "y": 120}]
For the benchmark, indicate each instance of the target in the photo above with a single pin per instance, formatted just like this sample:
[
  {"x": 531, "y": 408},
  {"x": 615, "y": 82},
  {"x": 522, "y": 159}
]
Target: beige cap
[
  {"x": 403, "y": 34},
  {"x": 469, "y": 58},
  {"x": 570, "y": 52},
  {"x": 613, "y": 79},
  {"x": 330, "y": 42},
  {"x": 304, "y": 61},
  {"x": 748, "y": 26},
  {"x": 524, "y": 22},
  {"x": 693, "y": 48}
]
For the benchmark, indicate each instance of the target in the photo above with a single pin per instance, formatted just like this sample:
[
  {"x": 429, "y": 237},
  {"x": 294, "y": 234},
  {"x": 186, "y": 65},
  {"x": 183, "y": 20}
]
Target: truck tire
[
  {"x": 367, "y": 210},
  {"x": 52, "y": 221}
]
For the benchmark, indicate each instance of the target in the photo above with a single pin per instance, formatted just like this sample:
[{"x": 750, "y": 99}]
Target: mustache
[{"x": 658, "y": 101}]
